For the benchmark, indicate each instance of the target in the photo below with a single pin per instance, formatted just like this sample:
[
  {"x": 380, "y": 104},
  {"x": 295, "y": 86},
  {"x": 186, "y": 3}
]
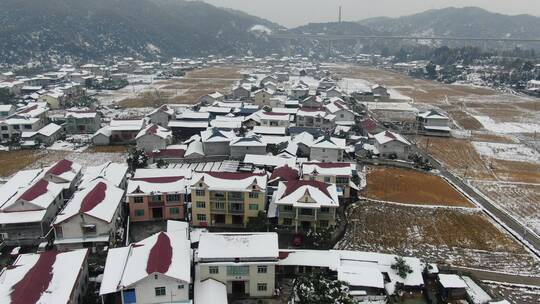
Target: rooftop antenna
[{"x": 339, "y": 18}]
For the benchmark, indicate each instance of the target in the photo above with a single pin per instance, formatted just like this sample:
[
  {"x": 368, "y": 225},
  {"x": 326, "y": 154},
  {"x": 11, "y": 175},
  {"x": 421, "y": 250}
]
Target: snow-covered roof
[
  {"x": 155, "y": 130},
  {"x": 196, "y": 124},
  {"x": 65, "y": 170},
  {"x": 269, "y": 130},
  {"x": 230, "y": 181},
  {"x": 46, "y": 278},
  {"x": 284, "y": 173},
  {"x": 269, "y": 160},
  {"x": 336, "y": 105},
  {"x": 164, "y": 109},
  {"x": 230, "y": 246},
  {"x": 328, "y": 143},
  {"x": 210, "y": 291},
  {"x": 100, "y": 200},
  {"x": 294, "y": 193},
  {"x": 194, "y": 115},
  {"x": 81, "y": 114},
  {"x": 328, "y": 169},
  {"x": 194, "y": 148},
  {"x": 312, "y": 258},
  {"x": 383, "y": 262},
  {"x": 126, "y": 125},
  {"x": 114, "y": 173},
  {"x": 305, "y": 112},
  {"x": 147, "y": 181},
  {"x": 226, "y": 124},
  {"x": 38, "y": 196},
  {"x": 167, "y": 253},
  {"x": 217, "y": 135},
  {"x": 432, "y": 114},
  {"x": 451, "y": 281},
  {"x": 248, "y": 141},
  {"x": 291, "y": 111},
  {"x": 220, "y": 110},
  {"x": 274, "y": 116},
  {"x": 388, "y": 136}
]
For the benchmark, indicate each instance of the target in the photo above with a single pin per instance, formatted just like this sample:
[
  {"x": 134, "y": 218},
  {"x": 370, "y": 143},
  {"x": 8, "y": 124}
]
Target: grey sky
[{"x": 292, "y": 13}]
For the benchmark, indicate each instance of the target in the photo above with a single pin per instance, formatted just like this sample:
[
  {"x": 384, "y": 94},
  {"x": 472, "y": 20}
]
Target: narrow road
[
  {"x": 522, "y": 233},
  {"x": 496, "y": 276}
]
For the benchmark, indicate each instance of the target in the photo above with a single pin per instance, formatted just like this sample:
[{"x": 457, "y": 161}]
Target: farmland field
[
  {"x": 411, "y": 187},
  {"x": 179, "y": 90},
  {"x": 445, "y": 236},
  {"x": 520, "y": 200}
]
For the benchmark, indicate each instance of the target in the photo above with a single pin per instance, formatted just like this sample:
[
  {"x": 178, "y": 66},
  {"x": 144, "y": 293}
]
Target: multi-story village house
[{"x": 227, "y": 198}]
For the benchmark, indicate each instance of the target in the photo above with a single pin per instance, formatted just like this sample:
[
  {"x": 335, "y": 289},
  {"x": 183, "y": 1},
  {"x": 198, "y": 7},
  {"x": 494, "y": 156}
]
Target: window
[
  {"x": 201, "y": 205},
  {"x": 262, "y": 287},
  {"x": 139, "y": 212},
  {"x": 219, "y": 205},
  {"x": 28, "y": 127},
  {"x": 325, "y": 209},
  {"x": 16, "y": 127},
  {"x": 324, "y": 150},
  {"x": 342, "y": 180},
  {"x": 201, "y": 217},
  {"x": 305, "y": 211},
  {"x": 200, "y": 192},
  {"x": 4, "y": 128},
  {"x": 138, "y": 199},
  {"x": 173, "y": 197},
  {"x": 254, "y": 207},
  {"x": 327, "y": 179},
  {"x": 287, "y": 222},
  {"x": 341, "y": 115},
  {"x": 254, "y": 195},
  {"x": 156, "y": 198},
  {"x": 237, "y": 270},
  {"x": 5, "y": 136},
  {"x": 174, "y": 211},
  {"x": 160, "y": 291},
  {"x": 213, "y": 270},
  {"x": 287, "y": 208},
  {"x": 180, "y": 286},
  {"x": 262, "y": 269},
  {"x": 323, "y": 223}
]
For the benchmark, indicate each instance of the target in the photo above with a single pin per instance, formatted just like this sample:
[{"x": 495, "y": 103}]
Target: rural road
[
  {"x": 495, "y": 276},
  {"x": 514, "y": 227}
]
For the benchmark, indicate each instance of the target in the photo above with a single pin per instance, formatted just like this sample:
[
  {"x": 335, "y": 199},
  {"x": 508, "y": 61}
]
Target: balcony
[
  {"x": 218, "y": 208},
  {"x": 236, "y": 208}
]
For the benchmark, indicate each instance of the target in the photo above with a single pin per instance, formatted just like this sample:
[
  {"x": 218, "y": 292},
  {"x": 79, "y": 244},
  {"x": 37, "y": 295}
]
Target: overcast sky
[{"x": 292, "y": 13}]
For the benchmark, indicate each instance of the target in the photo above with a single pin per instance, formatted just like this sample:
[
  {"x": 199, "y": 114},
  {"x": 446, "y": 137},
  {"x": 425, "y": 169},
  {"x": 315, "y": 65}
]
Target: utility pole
[{"x": 339, "y": 17}]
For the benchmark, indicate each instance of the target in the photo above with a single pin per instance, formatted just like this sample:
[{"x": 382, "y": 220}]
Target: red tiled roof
[
  {"x": 37, "y": 190},
  {"x": 292, "y": 186},
  {"x": 283, "y": 255},
  {"x": 160, "y": 257},
  {"x": 152, "y": 130},
  {"x": 168, "y": 153},
  {"x": 159, "y": 180},
  {"x": 93, "y": 198},
  {"x": 368, "y": 124},
  {"x": 60, "y": 167},
  {"x": 233, "y": 175},
  {"x": 285, "y": 173},
  {"x": 330, "y": 165},
  {"x": 35, "y": 281}
]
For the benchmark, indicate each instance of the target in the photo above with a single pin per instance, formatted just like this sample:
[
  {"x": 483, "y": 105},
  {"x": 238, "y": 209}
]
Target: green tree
[
  {"x": 258, "y": 224},
  {"x": 431, "y": 70},
  {"x": 320, "y": 238},
  {"x": 6, "y": 97},
  {"x": 402, "y": 267},
  {"x": 318, "y": 289},
  {"x": 161, "y": 163},
  {"x": 136, "y": 159}
]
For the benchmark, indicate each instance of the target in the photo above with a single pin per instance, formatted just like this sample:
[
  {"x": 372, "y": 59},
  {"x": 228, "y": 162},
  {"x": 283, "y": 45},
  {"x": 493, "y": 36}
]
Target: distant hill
[
  {"x": 335, "y": 28},
  {"x": 98, "y": 29},
  {"x": 459, "y": 22}
]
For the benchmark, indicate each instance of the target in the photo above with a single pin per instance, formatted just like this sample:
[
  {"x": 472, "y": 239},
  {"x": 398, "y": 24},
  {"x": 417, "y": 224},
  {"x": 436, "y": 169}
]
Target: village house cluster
[{"x": 281, "y": 147}]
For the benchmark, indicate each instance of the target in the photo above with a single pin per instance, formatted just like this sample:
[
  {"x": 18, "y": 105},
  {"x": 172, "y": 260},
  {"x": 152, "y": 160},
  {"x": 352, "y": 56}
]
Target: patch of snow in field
[
  {"x": 512, "y": 152},
  {"x": 351, "y": 85},
  {"x": 507, "y": 127}
]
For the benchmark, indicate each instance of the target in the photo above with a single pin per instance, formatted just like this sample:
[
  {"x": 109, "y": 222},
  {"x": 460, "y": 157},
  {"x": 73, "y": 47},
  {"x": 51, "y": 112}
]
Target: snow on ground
[
  {"x": 351, "y": 85},
  {"x": 261, "y": 29},
  {"x": 507, "y": 127},
  {"x": 512, "y": 152}
]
